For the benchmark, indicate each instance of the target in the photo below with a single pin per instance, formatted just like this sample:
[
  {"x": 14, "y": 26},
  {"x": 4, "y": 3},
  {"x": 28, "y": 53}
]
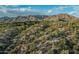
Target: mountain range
[{"x": 39, "y": 34}]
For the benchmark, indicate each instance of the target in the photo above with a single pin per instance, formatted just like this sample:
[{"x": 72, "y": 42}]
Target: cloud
[
  {"x": 5, "y": 10},
  {"x": 2, "y": 10},
  {"x": 75, "y": 11},
  {"x": 16, "y": 10},
  {"x": 72, "y": 12},
  {"x": 62, "y": 7},
  {"x": 50, "y": 11},
  {"x": 21, "y": 12},
  {"x": 22, "y": 9}
]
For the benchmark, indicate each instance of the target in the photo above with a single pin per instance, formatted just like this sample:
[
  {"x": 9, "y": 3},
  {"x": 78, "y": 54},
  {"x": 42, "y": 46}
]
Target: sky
[{"x": 24, "y": 10}]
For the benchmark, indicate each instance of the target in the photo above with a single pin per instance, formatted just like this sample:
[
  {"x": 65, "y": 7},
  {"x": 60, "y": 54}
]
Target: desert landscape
[
  {"x": 41, "y": 34},
  {"x": 39, "y": 29}
]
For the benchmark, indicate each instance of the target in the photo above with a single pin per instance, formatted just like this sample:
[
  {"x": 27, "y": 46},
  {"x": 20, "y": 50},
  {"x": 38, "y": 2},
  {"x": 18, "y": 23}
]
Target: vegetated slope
[{"x": 47, "y": 36}]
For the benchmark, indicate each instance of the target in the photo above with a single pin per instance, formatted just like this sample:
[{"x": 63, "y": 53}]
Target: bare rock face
[{"x": 25, "y": 18}]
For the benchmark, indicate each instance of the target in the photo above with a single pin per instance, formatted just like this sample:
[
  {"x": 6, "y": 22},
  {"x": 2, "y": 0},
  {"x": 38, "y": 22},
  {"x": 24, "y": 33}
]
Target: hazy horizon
[{"x": 25, "y": 10}]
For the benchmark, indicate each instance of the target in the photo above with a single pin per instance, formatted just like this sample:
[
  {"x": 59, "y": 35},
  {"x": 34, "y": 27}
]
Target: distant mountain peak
[
  {"x": 38, "y": 17},
  {"x": 61, "y": 16}
]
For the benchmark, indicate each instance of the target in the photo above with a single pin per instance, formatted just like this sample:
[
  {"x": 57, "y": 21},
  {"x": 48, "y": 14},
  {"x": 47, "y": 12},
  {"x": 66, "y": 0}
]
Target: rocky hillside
[
  {"x": 22, "y": 18},
  {"x": 58, "y": 34}
]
